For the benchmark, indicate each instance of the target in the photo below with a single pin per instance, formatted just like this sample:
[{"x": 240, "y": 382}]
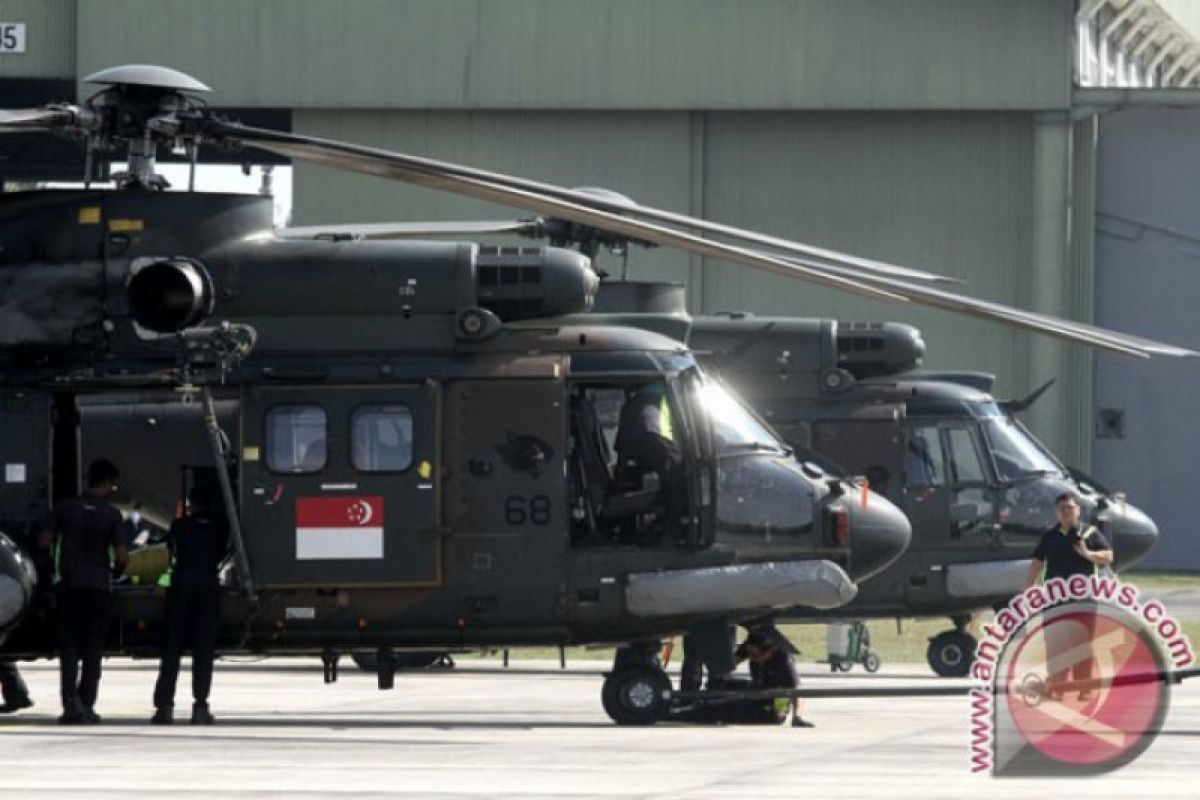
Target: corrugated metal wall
[
  {"x": 675, "y": 54},
  {"x": 49, "y": 39}
]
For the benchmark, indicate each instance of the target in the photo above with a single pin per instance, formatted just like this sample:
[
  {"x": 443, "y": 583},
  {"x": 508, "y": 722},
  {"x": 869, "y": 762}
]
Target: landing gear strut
[
  {"x": 637, "y": 691},
  {"x": 951, "y": 652}
]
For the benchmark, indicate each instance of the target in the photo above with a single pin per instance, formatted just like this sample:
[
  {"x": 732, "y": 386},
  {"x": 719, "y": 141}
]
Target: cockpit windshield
[
  {"x": 1016, "y": 452},
  {"x": 735, "y": 428}
]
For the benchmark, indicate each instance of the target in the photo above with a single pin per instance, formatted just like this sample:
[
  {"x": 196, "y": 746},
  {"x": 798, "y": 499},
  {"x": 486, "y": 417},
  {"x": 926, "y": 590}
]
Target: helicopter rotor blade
[
  {"x": 410, "y": 230},
  {"x": 588, "y": 209},
  {"x": 1070, "y": 330},
  {"x": 28, "y": 120},
  {"x": 880, "y": 268},
  {"x": 603, "y": 200},
  {"x": 409, "y": 169}
]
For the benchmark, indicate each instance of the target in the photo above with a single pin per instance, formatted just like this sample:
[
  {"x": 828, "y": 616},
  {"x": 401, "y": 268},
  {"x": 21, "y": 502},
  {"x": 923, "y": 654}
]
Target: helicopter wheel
[
  {"x": 636, "y": 695},
  {"x": 950, "y": 653}
]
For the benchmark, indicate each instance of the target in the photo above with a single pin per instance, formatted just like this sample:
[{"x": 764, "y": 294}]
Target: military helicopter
[
  {"x": 977, "y": 486},
  {"x": 850, "y": 399},
  {"x": 414, "y": 446}
]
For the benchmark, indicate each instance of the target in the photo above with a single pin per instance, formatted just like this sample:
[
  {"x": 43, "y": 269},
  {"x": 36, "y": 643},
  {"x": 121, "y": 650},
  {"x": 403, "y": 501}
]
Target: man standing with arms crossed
[{"x": 85, "y": 533}]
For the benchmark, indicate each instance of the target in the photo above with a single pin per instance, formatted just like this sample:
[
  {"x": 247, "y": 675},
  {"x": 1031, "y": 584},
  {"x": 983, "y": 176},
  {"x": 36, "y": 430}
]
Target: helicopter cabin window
[
  {"x": 297, "y": 438},
  {"x": 382, "y": 438},
  {"x": 966, "y": 465},
  {"x": 923, "y": 463}
]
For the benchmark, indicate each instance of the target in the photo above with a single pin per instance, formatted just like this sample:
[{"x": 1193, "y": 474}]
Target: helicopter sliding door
[
  {"x": 339, "y": 486},
  {"x": 505, "y": 494}
]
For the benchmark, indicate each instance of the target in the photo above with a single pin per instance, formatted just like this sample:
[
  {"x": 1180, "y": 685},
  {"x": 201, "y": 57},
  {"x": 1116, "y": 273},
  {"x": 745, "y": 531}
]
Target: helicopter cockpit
[
  {"x": 1002, "y": 479},
  {"x": 1016, "y": 452},
  {"x": 762, "y": 494}
]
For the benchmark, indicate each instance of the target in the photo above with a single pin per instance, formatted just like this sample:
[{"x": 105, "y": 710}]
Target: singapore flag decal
[{"x": 329, "y": 528}]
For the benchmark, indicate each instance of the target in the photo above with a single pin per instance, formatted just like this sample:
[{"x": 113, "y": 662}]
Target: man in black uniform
[
  {"x": 85, "y": 533},
  {"x": 198, "y": 543},
  {"x": 1070, "y": 548},
  {"x": 16, "y": 693}
]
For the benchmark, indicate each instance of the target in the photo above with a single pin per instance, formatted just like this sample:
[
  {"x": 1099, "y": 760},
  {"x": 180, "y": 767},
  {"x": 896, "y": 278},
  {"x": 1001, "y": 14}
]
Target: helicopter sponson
[{"x": 18, "y": 580}]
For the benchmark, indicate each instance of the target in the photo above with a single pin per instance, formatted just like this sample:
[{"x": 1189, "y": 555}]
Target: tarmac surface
[
  {"x": 532, "y": 730},
  {"x": 1183, "y": 603}
]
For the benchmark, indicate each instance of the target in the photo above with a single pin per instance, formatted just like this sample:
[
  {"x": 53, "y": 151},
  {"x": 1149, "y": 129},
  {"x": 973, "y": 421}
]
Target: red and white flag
[{"x": 339, "y": 528}]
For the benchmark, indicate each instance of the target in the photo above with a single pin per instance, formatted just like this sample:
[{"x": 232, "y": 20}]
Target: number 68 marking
[{"x": 519, "y": 510}]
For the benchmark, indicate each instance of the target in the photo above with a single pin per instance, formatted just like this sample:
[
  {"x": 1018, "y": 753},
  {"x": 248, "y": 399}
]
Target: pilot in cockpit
[{"x": 646, "y": 443}]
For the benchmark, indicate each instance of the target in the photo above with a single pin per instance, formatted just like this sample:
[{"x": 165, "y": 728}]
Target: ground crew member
[
  {"x": 85, "y": 534},
  {"x": 16, "y": 693},
  {"x": 1070, "y": 548},
  {"x": 772, "y": 667},
  {"x": 646, "y": 443},
  {"x": 198, "y": 543}
]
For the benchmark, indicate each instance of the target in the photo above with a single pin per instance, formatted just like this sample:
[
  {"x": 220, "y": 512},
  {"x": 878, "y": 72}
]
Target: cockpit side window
[
  {"x": 923, "y": 462},
  {"x": 966, "y": 463}
]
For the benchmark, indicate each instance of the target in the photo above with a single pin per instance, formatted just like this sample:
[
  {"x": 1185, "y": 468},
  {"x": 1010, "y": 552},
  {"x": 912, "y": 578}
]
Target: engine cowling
[{"x": 18, "y": 581}]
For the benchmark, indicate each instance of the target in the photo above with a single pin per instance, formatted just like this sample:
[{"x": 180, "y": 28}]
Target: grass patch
[
  {"x": 1162, "y": 580},
  {"x": 905, "y": 647},
  {"x": 892, "y": 647}
]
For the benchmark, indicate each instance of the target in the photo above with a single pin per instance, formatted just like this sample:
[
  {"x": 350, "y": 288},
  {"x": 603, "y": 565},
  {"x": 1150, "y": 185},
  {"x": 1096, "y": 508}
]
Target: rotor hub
[{"x": 144, "y": 107}]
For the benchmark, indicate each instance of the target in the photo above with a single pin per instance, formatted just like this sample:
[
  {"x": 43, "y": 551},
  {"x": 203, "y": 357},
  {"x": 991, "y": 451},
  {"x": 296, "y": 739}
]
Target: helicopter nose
[
  {"x": 879, "y": 534},
  {"x": 1134, "y": 535}
]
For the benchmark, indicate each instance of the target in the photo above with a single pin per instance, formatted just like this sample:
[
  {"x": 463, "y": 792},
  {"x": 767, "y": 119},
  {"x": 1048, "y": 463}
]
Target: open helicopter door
[{"x": 339, "y": 485}]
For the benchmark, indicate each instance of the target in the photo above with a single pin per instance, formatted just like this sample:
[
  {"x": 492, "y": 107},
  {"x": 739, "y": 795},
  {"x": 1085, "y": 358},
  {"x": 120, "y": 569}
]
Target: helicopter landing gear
[
  {"x": 950, "y": 653},
  {"x": 637, "y": 691}
]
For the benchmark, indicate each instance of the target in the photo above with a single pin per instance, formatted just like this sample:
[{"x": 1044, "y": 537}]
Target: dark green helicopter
[
  {"x": 392, "y": 424},
  {"x": 405, "y": 464},
  {"x": 850, "y": 399}
]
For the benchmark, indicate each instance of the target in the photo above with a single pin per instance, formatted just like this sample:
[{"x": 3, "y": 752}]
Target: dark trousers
[
  {"x": 193, "y": 614},
  {"x": 691, "y": 671},
  {"x": 11, "y": 684},
  {"x": 82, "y": 628}
]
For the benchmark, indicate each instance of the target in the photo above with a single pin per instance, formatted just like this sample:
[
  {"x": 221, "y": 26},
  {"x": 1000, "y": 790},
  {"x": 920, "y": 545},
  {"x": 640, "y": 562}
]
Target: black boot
[
  {"x": 13, "y": 706},
  {"x": 73, "y": 713},
  {"x": 163, "y": 715},
  {"x": 201, "y": 715}
]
